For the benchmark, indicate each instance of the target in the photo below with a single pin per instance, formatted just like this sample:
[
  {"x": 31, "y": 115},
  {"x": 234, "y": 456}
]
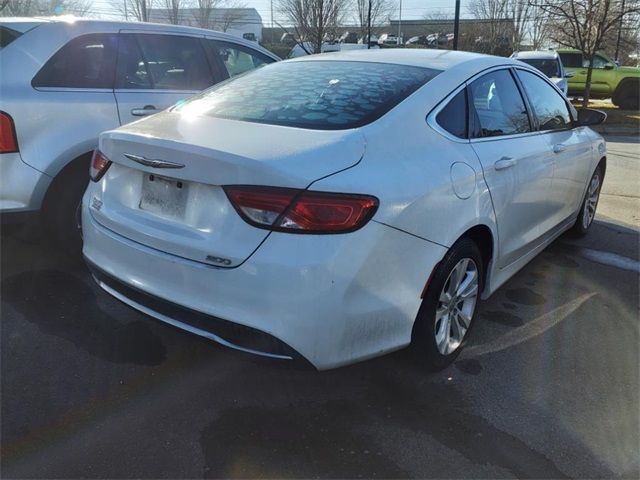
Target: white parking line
[{"x": 611, "y": 259}]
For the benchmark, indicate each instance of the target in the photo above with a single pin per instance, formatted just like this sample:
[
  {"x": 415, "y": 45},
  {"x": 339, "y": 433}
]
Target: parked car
[
  {"x": 327, "y": 219},
  {"x": 608, "y": 79},
  {"x": 418, "y": 40},
  {"x": 63, "y": 82},
  {"x": 549, "y": 63},
  {"x": 349, "y": 37},
  {"x": 389, "y": 39}
]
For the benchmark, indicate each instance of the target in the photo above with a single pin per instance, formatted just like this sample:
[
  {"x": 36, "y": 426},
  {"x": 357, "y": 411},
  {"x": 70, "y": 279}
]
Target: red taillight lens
[
  {"x": 99, "y": 165},
  {"x": 8, "y": 138},
  {"x": 301, "y": 211}
]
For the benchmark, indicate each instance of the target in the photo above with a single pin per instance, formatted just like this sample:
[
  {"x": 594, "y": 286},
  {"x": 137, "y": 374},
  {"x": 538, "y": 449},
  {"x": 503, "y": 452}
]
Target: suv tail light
[
  {"x": 301, "y": 211},
  {"x": 99, "y": 165},
  {"x": 8, "y": 138}
]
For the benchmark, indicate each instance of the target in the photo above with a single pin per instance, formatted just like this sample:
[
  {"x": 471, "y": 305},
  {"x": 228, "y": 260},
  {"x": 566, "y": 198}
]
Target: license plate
[{"x": 164, "y": 196}]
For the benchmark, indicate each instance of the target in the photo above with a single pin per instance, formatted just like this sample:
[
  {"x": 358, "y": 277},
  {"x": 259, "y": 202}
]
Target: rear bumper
[
  {"x": 334, "y": 299},
  {"x": 22, "y": 187}
]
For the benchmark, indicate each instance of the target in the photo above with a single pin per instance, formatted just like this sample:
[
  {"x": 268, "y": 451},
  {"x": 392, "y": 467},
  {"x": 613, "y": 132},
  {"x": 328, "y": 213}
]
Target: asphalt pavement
[{"x": 548, "y": 386}]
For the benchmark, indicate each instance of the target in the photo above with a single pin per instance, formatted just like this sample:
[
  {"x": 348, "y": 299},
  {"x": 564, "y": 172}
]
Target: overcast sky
[{"x": 410, "y": 8}]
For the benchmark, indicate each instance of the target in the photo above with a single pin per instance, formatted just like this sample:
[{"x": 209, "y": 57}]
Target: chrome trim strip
[
  {"x": 154, "y": 163},
  {"x": 184, "y": 326}
]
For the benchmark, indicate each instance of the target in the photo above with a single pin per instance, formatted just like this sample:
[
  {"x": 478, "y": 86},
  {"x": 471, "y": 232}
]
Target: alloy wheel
[
  {"x": 591, "y": 202},
  {"x": 456, "y": 305}
]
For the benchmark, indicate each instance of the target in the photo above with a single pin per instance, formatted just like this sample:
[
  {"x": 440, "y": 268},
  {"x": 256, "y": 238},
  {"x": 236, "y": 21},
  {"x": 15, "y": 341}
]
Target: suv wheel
[
  {"x": 61, "y": 203},
  {"x": 627, "y": 96}
]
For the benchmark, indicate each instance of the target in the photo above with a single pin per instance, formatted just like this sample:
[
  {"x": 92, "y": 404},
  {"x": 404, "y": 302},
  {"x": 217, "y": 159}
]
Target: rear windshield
[
  {"x": 549, "y": 66},
  {"x": 7, "y": 35},
  {"x": 320, "y": 95}
]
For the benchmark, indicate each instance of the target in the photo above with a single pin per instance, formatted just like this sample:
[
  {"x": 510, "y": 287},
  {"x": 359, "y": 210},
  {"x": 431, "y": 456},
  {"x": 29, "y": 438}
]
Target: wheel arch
[
  {"x": 615, "y": 97},
  {"x": 74, "y": 167},
  {"x": 484, "y": 238}
]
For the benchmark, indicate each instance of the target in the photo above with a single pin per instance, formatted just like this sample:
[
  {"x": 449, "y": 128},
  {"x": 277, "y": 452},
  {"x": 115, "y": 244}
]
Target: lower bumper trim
[{"x": 224, "y": 332}]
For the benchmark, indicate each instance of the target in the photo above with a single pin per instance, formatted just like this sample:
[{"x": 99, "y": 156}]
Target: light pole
[
  {"x": 619, "y": 33},
  {"x": 456, "y": 26},
  {"x": 399, "y": 24},
  {"x": 369, "y": 26}
]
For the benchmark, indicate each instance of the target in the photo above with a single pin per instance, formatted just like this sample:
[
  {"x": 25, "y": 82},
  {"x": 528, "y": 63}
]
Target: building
[{"x": 241, "y": 22}]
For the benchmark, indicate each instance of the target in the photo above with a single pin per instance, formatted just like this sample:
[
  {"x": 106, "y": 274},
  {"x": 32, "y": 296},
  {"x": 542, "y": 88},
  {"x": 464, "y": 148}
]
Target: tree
[
  {"x": 585, "y": 25},
  {"x": 227, "y": 16},
  {"x": 313, "y": 20},
  {"x": 30, "y": 8},
  {"x": 204, "y": 8},
  {"x": 504, "y": 22},
  {"x": 381, "y": 10},
  {"x": 174, "y": 8},
  {"x": 139, "y": 9}
]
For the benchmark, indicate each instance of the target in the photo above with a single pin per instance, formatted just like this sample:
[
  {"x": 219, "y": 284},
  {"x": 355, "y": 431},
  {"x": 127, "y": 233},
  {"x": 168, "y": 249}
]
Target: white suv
[
  {"x": 62, "y": 82},
  {"x": 549, "y": 63}
]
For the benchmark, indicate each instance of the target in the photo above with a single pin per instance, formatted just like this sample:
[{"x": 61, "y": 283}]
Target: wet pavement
[{"x": 548, "y": 386}]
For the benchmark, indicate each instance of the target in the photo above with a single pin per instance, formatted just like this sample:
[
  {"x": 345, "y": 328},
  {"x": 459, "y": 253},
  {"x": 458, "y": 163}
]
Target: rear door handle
[
  {"x": 146, "y": 110},
  {"x": 559, "y": 147},
  {"x": 504, "y": 162}
]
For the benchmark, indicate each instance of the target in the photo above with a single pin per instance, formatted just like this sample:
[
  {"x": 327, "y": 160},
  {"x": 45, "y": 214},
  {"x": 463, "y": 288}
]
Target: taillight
[
  {"x": 8, "y": 138},
  {"x": 301, "y": 211},
  {"x": 99, "y": 165}
]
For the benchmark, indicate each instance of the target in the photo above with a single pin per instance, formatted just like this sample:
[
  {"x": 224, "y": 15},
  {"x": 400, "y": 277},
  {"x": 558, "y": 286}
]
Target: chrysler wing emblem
[{"x": 150, "y": 162}]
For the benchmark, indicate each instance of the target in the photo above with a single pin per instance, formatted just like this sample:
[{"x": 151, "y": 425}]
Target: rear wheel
[
  {"x": 60, "y": 212},
  {"x": 449, "y": 307},
  {"x": 589, "y": 204},
  {"x": 627, "y": 96}
]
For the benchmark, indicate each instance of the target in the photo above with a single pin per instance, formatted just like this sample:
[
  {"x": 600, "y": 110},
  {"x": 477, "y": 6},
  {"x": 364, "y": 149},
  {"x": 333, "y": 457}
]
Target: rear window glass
[
  {"x": 321, "y": 95},
  {"x": 550, "y": 67},
  {"x": 7, "y": 35}
]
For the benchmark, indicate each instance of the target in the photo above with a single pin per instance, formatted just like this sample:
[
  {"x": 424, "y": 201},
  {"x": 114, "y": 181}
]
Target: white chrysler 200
[{"x": 340, "y": 206}]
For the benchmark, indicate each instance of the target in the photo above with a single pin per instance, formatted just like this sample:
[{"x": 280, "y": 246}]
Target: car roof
[
  {"x": 113, "y": 25},
  {"x": 429, "y": 58},
  {"x": 540, "y": 54}
]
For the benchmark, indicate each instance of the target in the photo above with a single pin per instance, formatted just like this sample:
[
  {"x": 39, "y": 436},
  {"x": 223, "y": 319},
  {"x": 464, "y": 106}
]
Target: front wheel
[
  {"x": 589, "y": 204},
  {"x": 449, "y": 307}
]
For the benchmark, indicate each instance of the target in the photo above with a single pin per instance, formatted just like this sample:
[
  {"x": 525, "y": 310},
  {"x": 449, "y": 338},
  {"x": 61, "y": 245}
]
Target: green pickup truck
[{"x": 622, "y": 84}]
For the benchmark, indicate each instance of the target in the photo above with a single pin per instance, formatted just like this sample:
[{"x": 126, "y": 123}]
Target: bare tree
[
  {"x": 204, "y": 10},
  {"x": 313, "y": 20},
  {"x": 227, "y": 16},
  {"x": 139, "y": 9},
  {"x": 174, "y": 8},
  {"x": 27, "y": 8},
  {"x": 504, "y": 22},
  {"x": 381, "y": 10},
  {"x": 539, "y": 26},
  {"x": 586, "y": 24}
]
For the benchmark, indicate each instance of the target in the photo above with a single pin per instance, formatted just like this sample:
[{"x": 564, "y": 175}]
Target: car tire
[
  {"x": 60, "y": 212},
  {"x": 627, "y": 96},
  {"x": 449, "y": 307},
  {"x": 589, "y": 204}
]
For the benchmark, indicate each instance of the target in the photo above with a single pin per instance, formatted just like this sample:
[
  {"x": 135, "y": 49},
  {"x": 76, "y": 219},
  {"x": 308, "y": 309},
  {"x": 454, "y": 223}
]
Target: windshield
[
  {"x": 322, "y": 95},
  {"x": 548, "y": 66}
]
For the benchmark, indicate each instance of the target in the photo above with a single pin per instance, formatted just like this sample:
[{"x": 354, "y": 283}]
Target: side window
[
  {"x": 132, "y": 69},
  {"x": 238, "y": 59},
  {"x": 87, "y": 61},
  {"x": 453, "y": 117},
  {"x": 548, "y": 105},
  {"x": 573, "y": 60},
  {"x": 162, "y": 62},
  {"x": 498, "y": 104},
  {"x": 599, "y": 62}
]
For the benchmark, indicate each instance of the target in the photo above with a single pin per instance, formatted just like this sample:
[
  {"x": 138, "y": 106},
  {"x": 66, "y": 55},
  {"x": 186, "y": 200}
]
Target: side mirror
[
  {"x": 590, "y": 116},
  {"x": 609, "y": 66},
  {"x": 569, "y": 74}
]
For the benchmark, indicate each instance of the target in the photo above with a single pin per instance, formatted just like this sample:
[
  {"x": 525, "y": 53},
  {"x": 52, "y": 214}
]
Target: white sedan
[{"x": 340, "y": 206}]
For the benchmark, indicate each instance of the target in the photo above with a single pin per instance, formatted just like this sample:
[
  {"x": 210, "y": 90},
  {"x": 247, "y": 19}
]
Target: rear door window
[
  {"x": 162, "y": 62},
  {"x": 573, "y": 60},
  {"x": 87, "y": 61},
  {"x": 499, "y": 106},
  {"x": 238, "y": 59}
]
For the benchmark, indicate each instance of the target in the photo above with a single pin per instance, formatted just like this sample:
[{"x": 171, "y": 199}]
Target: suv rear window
[
  {"x": 7, "y": 35},
  {"x": 320, "y": 95}
]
